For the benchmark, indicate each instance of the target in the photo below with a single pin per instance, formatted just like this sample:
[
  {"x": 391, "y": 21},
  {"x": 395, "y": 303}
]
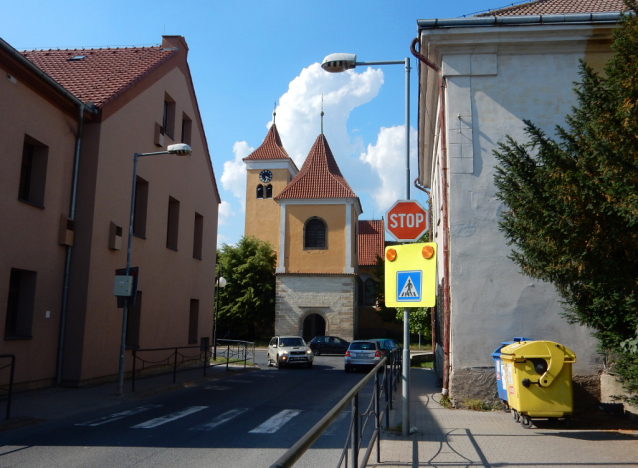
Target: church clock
[{"x": 265, "y": 176}]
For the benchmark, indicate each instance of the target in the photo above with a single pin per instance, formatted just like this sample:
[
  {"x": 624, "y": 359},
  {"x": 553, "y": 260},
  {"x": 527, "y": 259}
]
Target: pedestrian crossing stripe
[{"x": 409, "y": 286}]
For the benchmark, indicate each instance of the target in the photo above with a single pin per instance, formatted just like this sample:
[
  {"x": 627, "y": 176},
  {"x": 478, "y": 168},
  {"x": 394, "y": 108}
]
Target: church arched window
[
  {"x": 315, "y": 234},
  {"x": 268, "y": 191},
  {"x": 260, "y": 191}
]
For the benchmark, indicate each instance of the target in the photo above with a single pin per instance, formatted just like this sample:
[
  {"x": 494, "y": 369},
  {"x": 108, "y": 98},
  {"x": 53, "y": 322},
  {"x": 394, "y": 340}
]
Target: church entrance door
[{"x": 313, "y": 325}]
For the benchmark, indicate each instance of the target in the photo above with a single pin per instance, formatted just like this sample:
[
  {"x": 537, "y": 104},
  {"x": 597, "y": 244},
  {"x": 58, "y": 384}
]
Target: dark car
[
  {"x": 328, "y": 345},
  {"x": 387, "y": 345}
]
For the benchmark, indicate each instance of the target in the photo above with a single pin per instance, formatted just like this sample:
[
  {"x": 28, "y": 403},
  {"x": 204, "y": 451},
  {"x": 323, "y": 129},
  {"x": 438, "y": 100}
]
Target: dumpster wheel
[
  {"x": 526, "y": 421},
  {"x": 516, "y": 416}
]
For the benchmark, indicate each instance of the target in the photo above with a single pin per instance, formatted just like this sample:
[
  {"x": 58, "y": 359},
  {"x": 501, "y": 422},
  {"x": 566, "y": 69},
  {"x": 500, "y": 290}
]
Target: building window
[
  {"x": 193, "y": 321},
  {"x": 173, "y": 223},
  {"x": 20, "y": 304},
  {"x": 315, "y": 234},
  {"x": 370, "y": 296},
  {"x": 198, "y": 236},
  {"x": 187, "y": 125},
  {"x": 140, "y": 207},
  {"x": 133, "y": 323},
  {"x": 260, "y": 191},
  {"x": 33, "y": 172},
  {"x": 268, "y": 191},
  {"x": 168, "y": 119}
]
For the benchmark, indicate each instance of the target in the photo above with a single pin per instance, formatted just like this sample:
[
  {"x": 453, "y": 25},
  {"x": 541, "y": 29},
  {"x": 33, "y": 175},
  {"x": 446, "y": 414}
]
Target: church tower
[
  {"x": 317, "y": 262},
  {"x": 269, "y": 169}
]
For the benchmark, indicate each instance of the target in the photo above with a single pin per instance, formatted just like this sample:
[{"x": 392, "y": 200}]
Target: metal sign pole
[{"x": 405, "y": 377}]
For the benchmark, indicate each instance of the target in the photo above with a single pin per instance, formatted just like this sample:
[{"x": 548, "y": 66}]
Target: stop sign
[{"x": 406, "y": 220}]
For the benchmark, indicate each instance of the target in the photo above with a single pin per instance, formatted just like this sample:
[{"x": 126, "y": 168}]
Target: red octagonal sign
[{"x": 406, "y": 220}]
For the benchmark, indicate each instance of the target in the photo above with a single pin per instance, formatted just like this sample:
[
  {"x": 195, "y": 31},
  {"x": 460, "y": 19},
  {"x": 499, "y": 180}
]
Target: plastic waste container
[
  {"x": 538, "y": 377},
  {"x": 498, "y": 366}
]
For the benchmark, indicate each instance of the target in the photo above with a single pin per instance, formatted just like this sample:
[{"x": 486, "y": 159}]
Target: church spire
[
  {"x": 322, "y": 113},
  {"x": 274, "y": 113}
]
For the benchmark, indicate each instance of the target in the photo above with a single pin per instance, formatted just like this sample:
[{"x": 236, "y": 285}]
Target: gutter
[
  {"x": 523, "y": 20},
  {"x": 446, "y": 230}
]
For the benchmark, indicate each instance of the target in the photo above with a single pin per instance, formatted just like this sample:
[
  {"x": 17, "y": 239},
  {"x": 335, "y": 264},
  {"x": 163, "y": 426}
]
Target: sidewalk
[
  {"x": 454, "y": 437},
  {"x": 33, "y": 407}
]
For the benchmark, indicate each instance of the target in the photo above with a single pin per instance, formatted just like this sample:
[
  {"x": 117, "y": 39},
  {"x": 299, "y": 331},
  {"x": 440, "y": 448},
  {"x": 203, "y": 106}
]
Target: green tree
[
  {"x": 247, "y": 303},
  {"x": 573, "y": 202}
]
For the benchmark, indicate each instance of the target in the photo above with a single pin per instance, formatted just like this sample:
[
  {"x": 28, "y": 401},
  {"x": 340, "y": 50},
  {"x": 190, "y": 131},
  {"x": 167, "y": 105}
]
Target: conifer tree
[{"x": 573, "y": 202}]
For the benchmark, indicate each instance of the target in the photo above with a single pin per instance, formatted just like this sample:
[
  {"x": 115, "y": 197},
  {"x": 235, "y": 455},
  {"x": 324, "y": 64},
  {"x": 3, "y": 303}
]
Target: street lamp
[
  {"x": 335, "y": 63},
  {"x": 220, "y": 282},
  {"x": 179, "y": 149}
]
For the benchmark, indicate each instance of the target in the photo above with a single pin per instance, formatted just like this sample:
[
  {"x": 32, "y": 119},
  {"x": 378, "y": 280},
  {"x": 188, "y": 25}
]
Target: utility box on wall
[
  {"x": 66, "y": 232},
  {"x": 115, "y": 236},
  {"x": 123, "y": 286}
]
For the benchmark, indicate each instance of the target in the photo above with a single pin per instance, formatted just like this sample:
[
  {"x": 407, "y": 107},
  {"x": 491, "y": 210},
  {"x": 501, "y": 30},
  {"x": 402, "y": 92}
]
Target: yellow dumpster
[{"x": 538, "y": 376}]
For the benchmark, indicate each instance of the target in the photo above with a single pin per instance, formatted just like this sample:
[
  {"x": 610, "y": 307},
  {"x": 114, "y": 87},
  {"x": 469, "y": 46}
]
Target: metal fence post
[
  {"x": 377, "y": 409},
  {"x": 175, "y": 367},
  {"x": 227, "y": 355},
  {"x": 355, "y": 431},
  {"x": 133, "y": 375}
]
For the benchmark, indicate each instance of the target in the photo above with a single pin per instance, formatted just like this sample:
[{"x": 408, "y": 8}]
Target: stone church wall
[{"x": 332, "y": 297}]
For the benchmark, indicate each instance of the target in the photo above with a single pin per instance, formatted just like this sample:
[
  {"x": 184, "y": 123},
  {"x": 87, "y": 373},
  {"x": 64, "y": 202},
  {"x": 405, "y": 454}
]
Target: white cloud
[
  {"x": 387, "y": 159},
  {"x": 234, "y": 176},
  {"x": 225, "y": 212},
  {"x": 299, "y": 110}
]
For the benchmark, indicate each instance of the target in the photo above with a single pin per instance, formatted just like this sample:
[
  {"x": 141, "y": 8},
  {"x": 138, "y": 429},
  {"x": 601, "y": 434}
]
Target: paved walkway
[
  {"x": 460, "y": 438},
  {"x": 443, "y": 437}
]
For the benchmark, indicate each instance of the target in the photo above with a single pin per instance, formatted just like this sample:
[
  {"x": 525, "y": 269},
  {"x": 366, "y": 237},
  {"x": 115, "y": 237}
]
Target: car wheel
[
  {"x": 347, "y": 368},
  {"x": 280, "y": 365},
  {"x": 269, "y": 361},
  {"x": 309, "y": 364},
  {"x": 316, "y": 352}
]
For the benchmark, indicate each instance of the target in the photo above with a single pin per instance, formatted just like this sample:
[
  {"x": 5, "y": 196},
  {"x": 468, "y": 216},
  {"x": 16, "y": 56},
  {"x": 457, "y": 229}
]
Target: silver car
[
  {"x": 362, "y": 353},
  {"x": 289, "y": 350}
]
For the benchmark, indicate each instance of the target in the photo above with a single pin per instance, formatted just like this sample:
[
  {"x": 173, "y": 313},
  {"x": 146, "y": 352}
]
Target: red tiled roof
[
  {"x": 102, "y": 74},
  {"x": 371, "y": 241},
  {"x": 319, "y": 176},
  {"x": 558, "y": 7},
  {"x": 271, "y": 148}
]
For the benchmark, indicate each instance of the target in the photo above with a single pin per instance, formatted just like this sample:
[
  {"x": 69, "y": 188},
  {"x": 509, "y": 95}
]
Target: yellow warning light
[
  {"x": 427, "y": 251},
  {"x": 391, "y": 255}
]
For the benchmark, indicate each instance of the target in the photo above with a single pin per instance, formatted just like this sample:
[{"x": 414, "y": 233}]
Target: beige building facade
[{"x": 75, "y": 329}]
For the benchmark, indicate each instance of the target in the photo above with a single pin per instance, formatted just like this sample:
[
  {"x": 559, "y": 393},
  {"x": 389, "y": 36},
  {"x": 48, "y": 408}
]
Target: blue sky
[{"x": 245, "y": 55}]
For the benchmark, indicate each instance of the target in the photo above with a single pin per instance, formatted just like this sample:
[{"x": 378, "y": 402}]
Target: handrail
[
  {"x": 177, "y": 358},
  {"x": 12, "y": 365},
  {"x": 293, "y": 454}
]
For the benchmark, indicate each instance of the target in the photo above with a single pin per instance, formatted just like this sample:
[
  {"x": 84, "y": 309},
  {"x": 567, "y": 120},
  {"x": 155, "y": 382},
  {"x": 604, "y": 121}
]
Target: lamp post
[
  {"x": 335, "y": 63},
  {"x": 220, "y": 282},
  {"x": 179, "y": 149}
]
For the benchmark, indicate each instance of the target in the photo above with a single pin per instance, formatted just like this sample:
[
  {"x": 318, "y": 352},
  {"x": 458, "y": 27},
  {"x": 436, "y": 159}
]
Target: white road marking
[
  {"x": 336, "y": 423},
  {"x": 116, "y": 416},
  {"x": 168, "y": 418},
  {"x": 221, "y": 419},
  {"x": 276, "y": 422}
]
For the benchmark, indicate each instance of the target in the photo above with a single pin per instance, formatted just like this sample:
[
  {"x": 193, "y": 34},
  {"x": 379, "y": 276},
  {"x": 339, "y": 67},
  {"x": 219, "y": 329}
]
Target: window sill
[
  {"x": 197, "y": 258},
  {"x": 141, "y": 236},
  {"x": 192, "y": 341},
  {"x": 132, "y": 347},
  {"x": 16, "y": 338},
  {"x": 37, "y": 205},
  {"x": 171, "y": 248}
]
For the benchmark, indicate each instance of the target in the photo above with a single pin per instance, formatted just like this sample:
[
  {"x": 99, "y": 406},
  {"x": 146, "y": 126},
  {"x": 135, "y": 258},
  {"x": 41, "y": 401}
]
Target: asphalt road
[{"x": 247, "y": 420}]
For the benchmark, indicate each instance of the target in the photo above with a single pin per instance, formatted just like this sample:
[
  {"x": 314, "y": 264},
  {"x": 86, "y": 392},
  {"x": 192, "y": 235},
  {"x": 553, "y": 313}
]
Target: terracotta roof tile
[
  {"x": 319, "y": 176},
  {"x": 98, "y": 75},
  {"x": 558, "y": 7},
  {"x": 371, "y": 241},
  {"x": 271, "y": 148}
]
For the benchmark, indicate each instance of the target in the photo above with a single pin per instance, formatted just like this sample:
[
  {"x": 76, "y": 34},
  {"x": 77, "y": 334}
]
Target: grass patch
[
  {"x": 475, "y": 404},
  {"x": 398, "y": 428},
  {"x": 445, "y": 401},
  {"x": 423, "y": 365}
]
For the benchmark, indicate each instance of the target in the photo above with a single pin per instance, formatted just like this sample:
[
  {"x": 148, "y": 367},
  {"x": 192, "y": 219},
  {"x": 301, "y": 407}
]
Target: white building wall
[{"x": 488, "y": 94}]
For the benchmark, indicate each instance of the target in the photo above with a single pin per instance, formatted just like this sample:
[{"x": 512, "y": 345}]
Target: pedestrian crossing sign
[
  {"x": 409, "y": 286},
  {"x": 410, "y": 275}
]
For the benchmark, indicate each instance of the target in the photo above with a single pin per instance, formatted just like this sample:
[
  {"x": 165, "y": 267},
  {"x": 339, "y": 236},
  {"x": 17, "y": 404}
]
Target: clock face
[{"x": 265, "y": 176}]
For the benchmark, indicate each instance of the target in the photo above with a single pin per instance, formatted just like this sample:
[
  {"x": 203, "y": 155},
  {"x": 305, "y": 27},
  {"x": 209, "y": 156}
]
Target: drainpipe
[
  {"x": 83, "y": 107},
  {"x": 446, "y": 229}
]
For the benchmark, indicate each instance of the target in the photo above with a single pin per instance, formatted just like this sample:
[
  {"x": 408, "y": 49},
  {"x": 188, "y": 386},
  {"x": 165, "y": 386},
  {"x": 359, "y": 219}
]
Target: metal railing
[
  {"x": 188, "y": 358},
  {"x": 8, "y": 391},
  {"x": 386, "y": 375}
]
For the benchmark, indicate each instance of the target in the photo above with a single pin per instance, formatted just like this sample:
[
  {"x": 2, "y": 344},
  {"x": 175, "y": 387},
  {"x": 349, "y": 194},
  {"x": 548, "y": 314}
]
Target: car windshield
[
  {"x": 287, "y": 342},
  {"x": 363, "y": 346}
]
